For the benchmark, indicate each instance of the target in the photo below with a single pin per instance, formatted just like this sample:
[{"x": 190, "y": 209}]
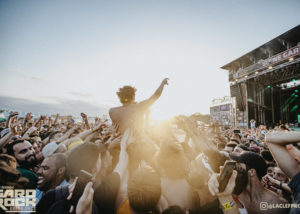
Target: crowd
[{"x": 130, "y": 166}]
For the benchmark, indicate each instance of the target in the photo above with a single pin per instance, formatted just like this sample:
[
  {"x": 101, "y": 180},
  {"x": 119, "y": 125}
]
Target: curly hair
[{"x": 126, "y": 94}]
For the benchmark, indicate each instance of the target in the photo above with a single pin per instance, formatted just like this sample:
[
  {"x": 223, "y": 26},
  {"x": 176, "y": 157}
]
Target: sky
[{"x": 73, "y": 55}]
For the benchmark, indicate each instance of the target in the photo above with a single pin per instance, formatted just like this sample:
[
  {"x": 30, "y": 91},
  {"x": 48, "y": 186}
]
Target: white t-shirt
[
  {"x": 252, "y": 124},
  {"x": 242, "y": 210}
]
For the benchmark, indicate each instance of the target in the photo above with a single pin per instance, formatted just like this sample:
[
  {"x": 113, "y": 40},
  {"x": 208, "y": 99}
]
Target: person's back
[{"x": 131, "y": 114}]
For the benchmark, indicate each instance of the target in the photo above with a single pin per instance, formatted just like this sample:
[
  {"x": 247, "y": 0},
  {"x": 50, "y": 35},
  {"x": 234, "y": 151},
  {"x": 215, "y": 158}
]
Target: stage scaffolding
[{"x": 265, "y": 81}]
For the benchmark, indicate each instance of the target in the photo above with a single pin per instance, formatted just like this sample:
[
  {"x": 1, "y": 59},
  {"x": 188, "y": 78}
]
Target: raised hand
[
  {"x": 71, "y": 189},
  {"x": 85, "y": 203},
  {"x": 213, "y": 185},
  {"x": 31, "y": 130},
  {"x": 14, "y": 126},
  {"x": 28, "y": 116},
  {"x": 83, "y": 115},
  {"x": 165, "y": 81},
  {"x": 85, "y": 119}
]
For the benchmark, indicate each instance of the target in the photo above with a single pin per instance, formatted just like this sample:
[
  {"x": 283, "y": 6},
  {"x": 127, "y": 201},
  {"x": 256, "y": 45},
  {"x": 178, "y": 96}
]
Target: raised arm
[
  {"x": 4, "y": 140},
  {"x": 56, "y": 119},
  {"x": 11, "y": 119},
  {"x": 283, "y": 138},
  {"x": 85, "y": 120},
  {"x": 82, "y": 135},
  {"x": 226, "y": 200},
  {"x": 67, "y": 134},
  {"x": 122, "y": 165},
  {"x": 12, "y": 131},
  {"x": 29, "y": 132},
  {"x": 277, "y": 142},
  {"x": 147, "y": 103},
  {"x": 39, "y": 122}
]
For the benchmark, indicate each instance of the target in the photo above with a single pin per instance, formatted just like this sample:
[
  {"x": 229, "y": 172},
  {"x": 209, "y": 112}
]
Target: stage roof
[{"x": 276, "y": 45}]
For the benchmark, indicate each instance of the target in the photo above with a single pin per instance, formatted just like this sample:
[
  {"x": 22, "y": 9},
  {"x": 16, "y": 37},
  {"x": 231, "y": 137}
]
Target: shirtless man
[
  {"x": 131, "y": 114},
  {"x": 246, "y": 184}
]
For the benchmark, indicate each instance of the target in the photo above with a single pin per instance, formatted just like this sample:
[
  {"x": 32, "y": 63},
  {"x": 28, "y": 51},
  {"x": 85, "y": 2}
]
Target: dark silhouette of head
[
  {"x": 144, "y": 189},
  {"x": 173, "y": 210},
  {"x": 82, "y": 157},
  {"x": 9, "y": 176},
  {"x": 126, "y": 94}
]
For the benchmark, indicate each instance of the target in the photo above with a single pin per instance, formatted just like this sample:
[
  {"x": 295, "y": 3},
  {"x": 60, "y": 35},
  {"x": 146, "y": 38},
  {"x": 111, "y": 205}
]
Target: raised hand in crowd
[
  {"x": 277, "y": 142},
  {"x": 56, "y": 119},
  {"x": 124, "y": 154},
  {"x": 227, "y": 202},
  {"x": 85, "y": 202},
  {"x": 275, "y": 185},
  {"x": 85, "y": 120}
]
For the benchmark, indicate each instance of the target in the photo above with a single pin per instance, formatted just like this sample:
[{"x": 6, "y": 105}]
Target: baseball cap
[
  {"x": 253, "y": 161},
  {"x": 49, "y": 149},
  {"x": 4, "y": 132}
]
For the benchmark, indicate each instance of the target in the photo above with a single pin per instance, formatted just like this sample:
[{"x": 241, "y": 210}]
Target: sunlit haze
[{"x": 78, "y": 53}]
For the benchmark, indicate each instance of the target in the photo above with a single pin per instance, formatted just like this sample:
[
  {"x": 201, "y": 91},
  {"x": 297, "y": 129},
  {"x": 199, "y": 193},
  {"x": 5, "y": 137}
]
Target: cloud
[
  {"x": 64, "y": 106},
  {"x": 80, "y": 94},
  {"x": 26, "y": 76},
  {"x": 36, "y": 79}
]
